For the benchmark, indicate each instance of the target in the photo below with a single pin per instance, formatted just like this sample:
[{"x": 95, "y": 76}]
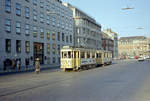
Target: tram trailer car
[
  {"x": 107, "y": 57},
  {"x": 73, "y": 58}
]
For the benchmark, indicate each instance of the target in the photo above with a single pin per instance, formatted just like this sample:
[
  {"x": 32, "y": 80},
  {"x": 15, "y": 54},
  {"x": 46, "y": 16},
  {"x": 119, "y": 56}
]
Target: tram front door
[{"x": 76, "y": 60}]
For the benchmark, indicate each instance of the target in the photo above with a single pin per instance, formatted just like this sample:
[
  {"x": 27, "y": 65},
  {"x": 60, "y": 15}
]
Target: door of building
[{"x": 39, "y": 51}]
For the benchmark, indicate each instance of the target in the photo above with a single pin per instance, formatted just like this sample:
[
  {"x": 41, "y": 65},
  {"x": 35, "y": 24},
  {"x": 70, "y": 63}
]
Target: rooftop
[{"x": 132, "y": 38}]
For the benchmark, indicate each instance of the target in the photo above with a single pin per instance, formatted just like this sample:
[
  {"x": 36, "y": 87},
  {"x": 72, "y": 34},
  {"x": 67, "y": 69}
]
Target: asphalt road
[{"x": 123, "y": 81}]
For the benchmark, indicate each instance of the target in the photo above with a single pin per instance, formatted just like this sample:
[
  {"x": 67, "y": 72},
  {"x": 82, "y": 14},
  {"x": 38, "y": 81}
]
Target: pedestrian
[
  {"x": 13, "y": 64},
  {"x": 18, "y": 64},
  {"x": 4, "y": 63},
  {"x": 37, "y": 65},
  {"x": 27, "y": 63}
]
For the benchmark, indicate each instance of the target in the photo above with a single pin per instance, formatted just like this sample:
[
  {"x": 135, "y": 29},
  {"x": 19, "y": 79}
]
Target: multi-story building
[
  {"x": 34, "y": 28},
  {"x": 87, "y": 32},
  {"x": 133, "y": 46},
  {"x": 107, "y": 42},
  {"x": 114, "y": 37}
]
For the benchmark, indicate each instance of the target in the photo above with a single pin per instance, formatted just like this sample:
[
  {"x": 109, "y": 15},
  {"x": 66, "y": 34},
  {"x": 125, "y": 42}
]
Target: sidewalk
[{"x": 29, "y": 69}]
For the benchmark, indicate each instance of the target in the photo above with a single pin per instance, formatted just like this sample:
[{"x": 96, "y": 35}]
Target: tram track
[
  {"x": 33, "y": 87},
  {"x": 50, "y": 83}
]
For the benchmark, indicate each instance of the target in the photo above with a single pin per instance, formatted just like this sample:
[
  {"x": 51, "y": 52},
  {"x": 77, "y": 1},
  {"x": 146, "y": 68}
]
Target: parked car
[
  {"x": 147, "y": 57},
  {"x": 141, "y": 59},
  {"x": 132, "y": 57}
]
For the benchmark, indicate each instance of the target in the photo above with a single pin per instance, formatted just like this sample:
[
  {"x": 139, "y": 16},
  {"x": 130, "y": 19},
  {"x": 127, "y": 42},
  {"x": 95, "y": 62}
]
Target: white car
[
  {"x": 141, "y": 59},
  {"x": 146, "y": 57}
]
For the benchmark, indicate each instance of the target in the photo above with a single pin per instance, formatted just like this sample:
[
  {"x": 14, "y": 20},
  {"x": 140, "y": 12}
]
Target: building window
[
  {"x": 34, "y": 15},
  {"x": 67, "y": 26},
  {"x": 8, "y": 45},
  {"x": 27, "y": 45},
  {"x": 70, "y": 38},
  {"x": 54, "y": 60},
  {"x": 27, "y": 12},
  {"x": 48, "y": 34},
  {"x": 48, "y": 48},
  {"x": 18, "y": 46},
  {"x": 58, "y": 23},
  {"x": 53, "y": 21},
  {"x": 48, "y": 19},
  {"x": 58, "y": 59},
  {"x": 41, "y": 3},
  {"x": 27, "y": 0},
  {"x": 62, "y": 25},
  {"x": 58, "y": 49},
  {"x": 78, "y": 30},
  {"x": 54, "y": 48},
  {"x": 18, "y": 27},
  {"x": 8, "y": 6},
  {"x": 63, "y": 37},
  {"x": 34, "y": 2},
  {"x": 18, "y": 9},
  {"x": 47, "y": 7},
  {"x": 66, "y": 38},
  {"x": 58, "y": 36},
  {"x": 8, "y": 25},
  {"x": 41, "y": 17},
  {"x": 53, "y": 36},
  {"x": 34, "y": 31},
  {"x": 41, "y": 32},
  {"x": 27, "y": 29}
]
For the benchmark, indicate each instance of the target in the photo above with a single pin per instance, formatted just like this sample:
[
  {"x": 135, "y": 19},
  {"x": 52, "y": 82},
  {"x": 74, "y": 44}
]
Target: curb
[{"x": 27, "y": 71}]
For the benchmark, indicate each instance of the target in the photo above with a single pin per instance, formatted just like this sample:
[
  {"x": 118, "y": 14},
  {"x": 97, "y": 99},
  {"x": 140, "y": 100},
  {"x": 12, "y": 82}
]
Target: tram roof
[{"x": 71, "y": 48}]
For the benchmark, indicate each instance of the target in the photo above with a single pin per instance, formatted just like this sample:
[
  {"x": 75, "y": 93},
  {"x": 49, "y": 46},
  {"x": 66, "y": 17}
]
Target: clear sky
[{"x": 110, "y": 15}]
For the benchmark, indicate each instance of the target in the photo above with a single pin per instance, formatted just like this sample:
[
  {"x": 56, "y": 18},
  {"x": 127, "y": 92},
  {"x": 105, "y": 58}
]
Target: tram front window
[
  {"x": 64, "y": 54},
  {"x": 67, "y": 54}
]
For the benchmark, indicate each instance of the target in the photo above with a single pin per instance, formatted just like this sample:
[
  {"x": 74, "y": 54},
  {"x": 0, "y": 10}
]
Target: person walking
[
  {"x": 18, "y": 64},
  {"x": 13, "y": 64},
  {"x": 4, "y": 64},
  {"x": 27, "y": 64},
  {"x": 37, "y": 66}
]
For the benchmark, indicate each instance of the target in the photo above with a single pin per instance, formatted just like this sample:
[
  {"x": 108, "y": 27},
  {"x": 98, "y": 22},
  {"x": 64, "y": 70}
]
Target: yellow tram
[{"x": 80, "y": 58}]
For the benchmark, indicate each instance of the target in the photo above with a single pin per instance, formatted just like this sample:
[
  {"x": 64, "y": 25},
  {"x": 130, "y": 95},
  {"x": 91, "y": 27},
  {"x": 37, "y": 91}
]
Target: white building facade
[
  {"x": 114, "y": 37},
  {"x": 87, "y": 32}
]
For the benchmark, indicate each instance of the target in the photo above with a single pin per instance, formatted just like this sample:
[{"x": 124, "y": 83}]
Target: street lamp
[
  {"x": 139, "y": 28},
  {"x": 127, "y": 8}
]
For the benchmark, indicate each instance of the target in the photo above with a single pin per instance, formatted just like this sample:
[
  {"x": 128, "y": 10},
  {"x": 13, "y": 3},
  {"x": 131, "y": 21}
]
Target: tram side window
[
  {"x": 98, "y": 55},
  {"x": 69, "y": 54},
  {"x": 88, "y": 55},
  {"x": 82, "y": 55},
  {"x": 105, "y": 55},
  {"x": 93, "y": 55}
]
